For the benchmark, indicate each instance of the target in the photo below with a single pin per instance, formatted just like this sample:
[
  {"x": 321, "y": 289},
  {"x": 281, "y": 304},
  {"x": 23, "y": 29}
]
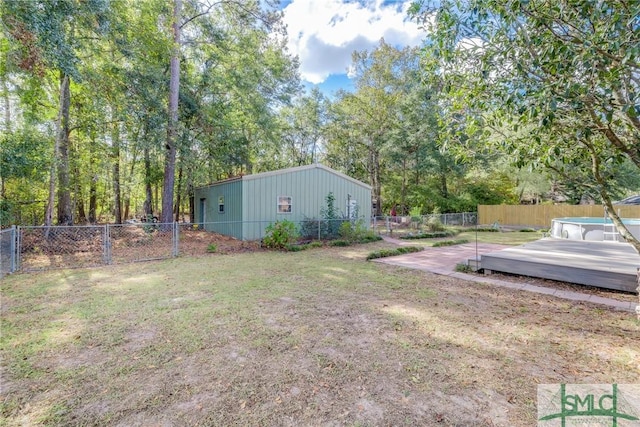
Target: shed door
[{"x": 203, "y": 204}]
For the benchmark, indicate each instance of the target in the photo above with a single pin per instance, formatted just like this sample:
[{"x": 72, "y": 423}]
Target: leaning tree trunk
[
  {"x": 606, "y": 200},
  {"x": 172, "y": 126},
  {"x": 622, "y": 229}
]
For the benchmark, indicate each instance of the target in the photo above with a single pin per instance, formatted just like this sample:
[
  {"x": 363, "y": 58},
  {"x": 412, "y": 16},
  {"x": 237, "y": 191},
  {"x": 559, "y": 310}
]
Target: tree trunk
[
  {"x": 148, "y": 201},
  {"x": 115, "y": 154},
  {"x": 606, "y": 200},
  {"x": 622, "y": 229},
  {"x": 65, "y": 214},
  {"x": 7, "y": 105},
  {"x": 403, "y": 189},
  {"x": 79, "y": 195},
  {"x": 172, "y": 126},
  {"x": 192, "y": 204},
  {"x": 178, "y": 193},
  {"x": 374, "y": 177},
  {"x": 93, "y": 190}
]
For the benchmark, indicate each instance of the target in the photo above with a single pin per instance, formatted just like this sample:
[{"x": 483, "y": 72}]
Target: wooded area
[{"x": 119, "y": 109}]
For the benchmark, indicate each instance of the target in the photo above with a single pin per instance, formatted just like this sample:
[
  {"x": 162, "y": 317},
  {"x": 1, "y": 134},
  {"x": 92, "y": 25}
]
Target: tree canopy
[
  {"x": 555, "y": 84},
  {"x": 119, "y": 109}
]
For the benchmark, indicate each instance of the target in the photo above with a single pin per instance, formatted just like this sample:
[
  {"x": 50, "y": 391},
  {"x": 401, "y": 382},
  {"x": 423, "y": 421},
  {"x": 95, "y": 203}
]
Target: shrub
[
  {"x": 431, "y": 235},
  {"x": 310, "y": 228},
  {"x": 370, "y": 236},
  {"x": 485, "y": 229},
  {"x": 393, "y": 252},
  {"x": 212, "y": 248},
  {"x": 339, "y": 243},
  {"x": 416, "y": 214},
  {"x": 434, "y": 224},
  {"x": 303, "y": 247},
  {"x": 462, "y": 267},
  {"x": 280, "y": 234},
  {"x": 346, "y": 231},
  {"x": 450, "y": 243}
]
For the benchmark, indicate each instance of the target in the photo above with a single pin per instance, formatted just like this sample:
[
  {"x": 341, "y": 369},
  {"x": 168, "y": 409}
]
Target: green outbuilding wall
[
  {"x": 208, "y": 211},
  {"x": 252, "y": 202}
]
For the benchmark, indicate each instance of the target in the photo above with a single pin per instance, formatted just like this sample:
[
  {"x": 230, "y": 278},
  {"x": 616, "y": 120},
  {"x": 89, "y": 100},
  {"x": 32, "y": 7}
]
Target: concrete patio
[{"x": 443, "y": 261}]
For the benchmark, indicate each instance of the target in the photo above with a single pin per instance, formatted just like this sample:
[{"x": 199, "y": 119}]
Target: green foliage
[
  {"x": 462, "y": 267},
  {"x": 303, "y": 247},
  {"x": 434, "y": 224},
  {"x": 431, "y": 235},
  {"x": 546, "y": 85},
  {"x": 332, "y": 218},
  {"x": 369, "y": 237},
  {"x": 416, "y": 214},
  {"x": 311, "y": 228},
  {"x": 450, "y": 242},
  {"x": 212, "y": 248},
  {"x": 340, "y": 242},
  {"x": 486, "y": 229},
  {"x": 280, "y": 234},
  {"x": 393, "y": 252}
]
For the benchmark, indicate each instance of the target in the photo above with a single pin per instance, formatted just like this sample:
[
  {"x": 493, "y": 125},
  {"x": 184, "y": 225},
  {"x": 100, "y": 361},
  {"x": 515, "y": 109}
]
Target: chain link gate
[{"x": 44, "y": 248}]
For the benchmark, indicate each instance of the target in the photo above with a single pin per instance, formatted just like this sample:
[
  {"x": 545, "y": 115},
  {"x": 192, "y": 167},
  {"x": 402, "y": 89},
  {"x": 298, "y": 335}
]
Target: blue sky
[{"x": 324, "y": 33}]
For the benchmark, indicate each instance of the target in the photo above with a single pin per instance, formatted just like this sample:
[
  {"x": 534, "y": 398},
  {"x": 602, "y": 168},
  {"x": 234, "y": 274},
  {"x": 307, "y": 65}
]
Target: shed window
[
  {"x": 284, "y": 204},
  {"x": 221, "y": 204}
]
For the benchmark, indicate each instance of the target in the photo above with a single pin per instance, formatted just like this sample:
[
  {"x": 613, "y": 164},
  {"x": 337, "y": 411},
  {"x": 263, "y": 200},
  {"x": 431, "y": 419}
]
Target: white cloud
[{"x": 324, "y": 33}]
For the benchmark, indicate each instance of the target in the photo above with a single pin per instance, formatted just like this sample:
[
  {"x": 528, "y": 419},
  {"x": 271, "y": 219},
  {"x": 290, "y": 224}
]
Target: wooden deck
[{"x": 608, "y": 265}]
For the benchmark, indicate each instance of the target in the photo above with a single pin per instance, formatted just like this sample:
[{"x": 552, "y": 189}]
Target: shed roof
[{"x": 289, "y": 170}]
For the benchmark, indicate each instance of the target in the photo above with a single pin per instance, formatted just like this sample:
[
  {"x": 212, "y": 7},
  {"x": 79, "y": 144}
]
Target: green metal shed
[{"x": 243, "y": 207}]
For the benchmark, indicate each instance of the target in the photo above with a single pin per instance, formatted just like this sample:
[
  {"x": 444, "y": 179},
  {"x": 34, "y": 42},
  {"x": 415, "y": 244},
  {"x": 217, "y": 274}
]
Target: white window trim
[{"x": 290, "y": 205}]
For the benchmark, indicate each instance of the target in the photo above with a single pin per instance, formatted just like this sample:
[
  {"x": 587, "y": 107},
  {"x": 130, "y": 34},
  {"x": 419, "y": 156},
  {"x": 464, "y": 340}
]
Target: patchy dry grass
[{"x": 319, "y": 337}]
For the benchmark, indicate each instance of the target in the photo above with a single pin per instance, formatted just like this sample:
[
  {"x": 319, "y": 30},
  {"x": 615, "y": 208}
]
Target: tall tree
[
  {"x": 172, "y": 125},
  {"x": 48, "y": 35},
  {"x": 565, "y": 71},
  {"x": 368, "y": 117}
]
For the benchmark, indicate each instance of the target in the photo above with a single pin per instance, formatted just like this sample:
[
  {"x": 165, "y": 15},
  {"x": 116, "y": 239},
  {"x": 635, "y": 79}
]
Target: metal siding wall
[
  {"x": 232, "y": 193},
  {"x": 308, "y": 190}
]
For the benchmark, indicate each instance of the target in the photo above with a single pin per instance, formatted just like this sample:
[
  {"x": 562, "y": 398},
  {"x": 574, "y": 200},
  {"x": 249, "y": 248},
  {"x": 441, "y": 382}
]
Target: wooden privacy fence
[{"x": 541, "y": 215}]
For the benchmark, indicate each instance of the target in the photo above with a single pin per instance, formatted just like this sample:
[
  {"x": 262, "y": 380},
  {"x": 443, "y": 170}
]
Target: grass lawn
[
  {"x": 319, "y": 337},
  {"x": 502, "y": 238}
]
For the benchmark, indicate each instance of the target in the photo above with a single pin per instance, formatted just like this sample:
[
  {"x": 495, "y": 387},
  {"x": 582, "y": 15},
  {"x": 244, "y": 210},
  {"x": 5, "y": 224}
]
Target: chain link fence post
[
  {"x": 18, "y": 248},
  {"x": 106, "y": 243},
  {"x": 12, "y": 267},
  {"x": 175, "y": 239}
]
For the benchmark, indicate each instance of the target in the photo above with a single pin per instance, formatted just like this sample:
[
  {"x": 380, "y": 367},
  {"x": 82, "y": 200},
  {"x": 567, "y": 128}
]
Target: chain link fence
[
  {"x": 42, "y": 248},
  {"x": 8, "y": 251},
  {"x": 385, "y": 225}
]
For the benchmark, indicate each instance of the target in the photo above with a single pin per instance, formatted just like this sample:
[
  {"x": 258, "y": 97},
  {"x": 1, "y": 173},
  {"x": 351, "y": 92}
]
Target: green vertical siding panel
[
  {"x": 251, "y": 203},
  {"x": 308, "y": 189},
  {"x": 229, "y": 222}
]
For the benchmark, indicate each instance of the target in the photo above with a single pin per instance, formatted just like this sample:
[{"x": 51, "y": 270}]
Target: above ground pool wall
[{"x": 592, "y": 229}]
